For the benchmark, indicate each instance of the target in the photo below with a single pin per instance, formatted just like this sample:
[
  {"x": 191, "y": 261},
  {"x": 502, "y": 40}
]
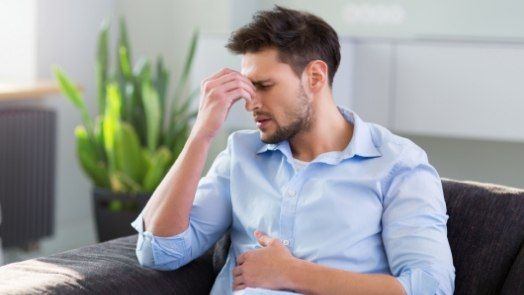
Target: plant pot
[{"x": 115, "y": 211}]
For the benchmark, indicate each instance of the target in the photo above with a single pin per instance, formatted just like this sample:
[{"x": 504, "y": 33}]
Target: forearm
[
  {"x": 309, "y": 278},
  {"x": 167, "y": 212}
]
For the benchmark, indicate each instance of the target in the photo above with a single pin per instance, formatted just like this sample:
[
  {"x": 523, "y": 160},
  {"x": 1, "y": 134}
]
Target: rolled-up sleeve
[
  {"x": 209, "y": 219},
  {"x": 414, "y": 227}
]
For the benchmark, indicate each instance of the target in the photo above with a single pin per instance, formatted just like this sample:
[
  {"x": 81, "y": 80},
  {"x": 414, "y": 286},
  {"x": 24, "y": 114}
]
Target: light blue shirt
[{"x": 375, "y": 207}]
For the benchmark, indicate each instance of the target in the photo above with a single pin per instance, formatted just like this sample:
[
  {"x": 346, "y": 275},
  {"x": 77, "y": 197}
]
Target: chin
[
  {"x": 268, "y": 138},
  {"x": 265, "y": 137}
]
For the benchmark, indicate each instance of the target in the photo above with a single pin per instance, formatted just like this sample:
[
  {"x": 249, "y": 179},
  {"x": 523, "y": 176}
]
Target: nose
[{"x": 255, "y": 103}]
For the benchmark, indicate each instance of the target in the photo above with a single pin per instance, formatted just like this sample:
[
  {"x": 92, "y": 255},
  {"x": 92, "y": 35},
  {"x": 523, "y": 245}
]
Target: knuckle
[
  {"x": 215, "y": 94},
  {"x": 206, "y": 85}
]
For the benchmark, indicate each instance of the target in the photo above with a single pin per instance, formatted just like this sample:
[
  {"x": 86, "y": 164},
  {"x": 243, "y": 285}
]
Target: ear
[{"x": 317, "y": 75}]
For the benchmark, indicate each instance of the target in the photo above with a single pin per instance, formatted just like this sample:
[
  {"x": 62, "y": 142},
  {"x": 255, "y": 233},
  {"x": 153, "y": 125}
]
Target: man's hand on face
[
  {"x": 217, "y": 94},
  {"x": 267, "y": 267}
]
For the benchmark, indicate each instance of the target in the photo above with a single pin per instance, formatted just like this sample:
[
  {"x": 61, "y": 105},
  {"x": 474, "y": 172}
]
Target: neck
[{"x": 329, "y": 131}]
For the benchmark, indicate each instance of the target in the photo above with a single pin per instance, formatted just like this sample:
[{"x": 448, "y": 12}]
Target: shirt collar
[{"x": 361, "y": 143}]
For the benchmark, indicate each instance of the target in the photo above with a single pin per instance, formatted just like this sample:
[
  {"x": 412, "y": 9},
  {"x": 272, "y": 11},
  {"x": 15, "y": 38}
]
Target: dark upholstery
[
  {"x": 106, "y": 268},
  {"x": 485, "y": 230},
  {"x": 486, "y": 233}
]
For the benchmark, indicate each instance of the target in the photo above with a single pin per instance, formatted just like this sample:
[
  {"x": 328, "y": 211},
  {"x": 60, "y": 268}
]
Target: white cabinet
[
  {"x": 372, "y": 74},
  {"x": 445, "y": 88},
  {"x": 459, "y": 90}
]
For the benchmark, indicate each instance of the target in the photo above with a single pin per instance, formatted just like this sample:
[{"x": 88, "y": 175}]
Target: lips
[{"x": 262, "y": 121}]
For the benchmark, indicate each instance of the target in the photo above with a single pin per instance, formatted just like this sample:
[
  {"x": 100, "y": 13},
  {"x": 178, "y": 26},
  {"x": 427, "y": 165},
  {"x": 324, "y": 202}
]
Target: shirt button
[
  {"x": 285, "y": 242},
  {"x": 291, "y": 193}
]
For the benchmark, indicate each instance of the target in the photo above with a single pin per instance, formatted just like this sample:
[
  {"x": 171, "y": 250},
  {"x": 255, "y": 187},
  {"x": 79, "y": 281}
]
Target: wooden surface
[{"x": 28, "y": 90}]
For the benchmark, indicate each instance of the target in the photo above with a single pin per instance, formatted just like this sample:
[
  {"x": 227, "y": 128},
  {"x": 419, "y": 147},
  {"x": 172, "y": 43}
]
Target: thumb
[{"x": 262, "y": 239}]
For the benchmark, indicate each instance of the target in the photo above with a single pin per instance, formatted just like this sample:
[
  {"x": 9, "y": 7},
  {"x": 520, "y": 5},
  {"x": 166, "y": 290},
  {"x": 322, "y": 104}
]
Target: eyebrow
[{"x": 260, "y": 82}]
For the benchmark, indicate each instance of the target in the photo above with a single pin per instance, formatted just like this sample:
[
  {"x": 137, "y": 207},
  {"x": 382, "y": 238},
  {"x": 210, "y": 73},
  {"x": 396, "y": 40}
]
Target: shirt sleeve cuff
[
  {"x": 161, "y": 252},
  {"x": 418, "y": 282},
  {"x": 138, "y": 223}
]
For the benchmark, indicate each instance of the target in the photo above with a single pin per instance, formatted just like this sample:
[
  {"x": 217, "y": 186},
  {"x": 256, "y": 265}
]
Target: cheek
[{"x": 279, "y": 102}]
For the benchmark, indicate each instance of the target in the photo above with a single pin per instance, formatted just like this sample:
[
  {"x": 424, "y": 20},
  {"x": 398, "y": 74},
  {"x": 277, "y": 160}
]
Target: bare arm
[
  {"x": 310, "y": 278},
  {"x": 167, "y": 212}
]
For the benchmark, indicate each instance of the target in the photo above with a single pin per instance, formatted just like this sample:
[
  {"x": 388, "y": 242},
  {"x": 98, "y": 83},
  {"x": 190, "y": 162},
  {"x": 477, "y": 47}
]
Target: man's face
[{"x": 281, "y": 108}]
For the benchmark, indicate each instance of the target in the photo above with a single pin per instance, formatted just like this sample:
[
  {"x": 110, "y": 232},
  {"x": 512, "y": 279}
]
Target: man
[{"x": 316, "y": 201}]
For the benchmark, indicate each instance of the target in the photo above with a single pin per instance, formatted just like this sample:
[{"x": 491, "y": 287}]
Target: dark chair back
[{"x": 486, "y": 234}]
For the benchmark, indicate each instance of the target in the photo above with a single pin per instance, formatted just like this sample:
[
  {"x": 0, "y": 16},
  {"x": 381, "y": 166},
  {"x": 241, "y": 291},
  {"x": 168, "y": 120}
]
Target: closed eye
[{"x": 263, "y": 87}]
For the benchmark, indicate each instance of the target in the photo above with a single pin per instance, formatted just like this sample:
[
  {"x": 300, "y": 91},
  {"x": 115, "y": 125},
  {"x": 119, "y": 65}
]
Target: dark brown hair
[{"x": 299, "y": 37}]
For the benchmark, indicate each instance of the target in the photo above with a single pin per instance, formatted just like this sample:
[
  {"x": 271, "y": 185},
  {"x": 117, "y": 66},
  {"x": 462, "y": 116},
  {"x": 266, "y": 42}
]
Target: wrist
[
  {"x": 201, "y": 136},
  {"x": 294, "y": 274}
]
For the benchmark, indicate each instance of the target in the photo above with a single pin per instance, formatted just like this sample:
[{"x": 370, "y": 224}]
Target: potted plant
[{"x": 128, "y": 147}]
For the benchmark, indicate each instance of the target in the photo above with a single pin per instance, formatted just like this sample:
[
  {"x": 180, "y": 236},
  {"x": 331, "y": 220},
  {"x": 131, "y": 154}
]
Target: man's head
[{"x": 289, "y": 55}]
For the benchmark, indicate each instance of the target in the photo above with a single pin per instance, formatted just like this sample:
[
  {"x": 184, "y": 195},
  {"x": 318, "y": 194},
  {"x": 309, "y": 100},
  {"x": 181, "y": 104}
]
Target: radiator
[{"x": 27, "y": 172}]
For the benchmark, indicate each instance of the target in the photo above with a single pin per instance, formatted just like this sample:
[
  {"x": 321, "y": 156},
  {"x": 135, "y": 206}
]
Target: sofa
[{"x": 485, "y": 231}]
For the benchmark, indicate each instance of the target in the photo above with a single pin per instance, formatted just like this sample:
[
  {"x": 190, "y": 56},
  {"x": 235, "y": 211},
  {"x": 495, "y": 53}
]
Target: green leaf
[
  {"x": 187, "y": 66},
  {"x": 160, "y": 162},
  {"x": 180, "y": 115},
  {"x": 187, "y": 103},
  {"x": 101, "y": 66},
  {"x": 161, "y": 81},
  {"x": 73, "y": 94},
  {"x": 128, "y": 154},
  {"x": 99, "y": 139},
  {"x": 112, "y": 124},
  {"x": 87, "y": 156},
  {"x": 181, "y": 85},
  {"x": 117, "y": 185},
  {"x": 142, "y": 69},
  {"x": 125, "y": 62},
  {"x": 142, "y": 72},
  {"x": 151, "y": 105},
  {"x": 124, "y": 183},
  {"x": 123, "y": 49}
]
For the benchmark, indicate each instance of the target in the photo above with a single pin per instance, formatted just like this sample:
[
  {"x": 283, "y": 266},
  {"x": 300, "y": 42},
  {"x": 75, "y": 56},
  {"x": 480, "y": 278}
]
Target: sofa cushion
[
  {"x": 514, "y": 283},
  {"x": 106, "y": 268},
  {"x": 486, "y": 233}
]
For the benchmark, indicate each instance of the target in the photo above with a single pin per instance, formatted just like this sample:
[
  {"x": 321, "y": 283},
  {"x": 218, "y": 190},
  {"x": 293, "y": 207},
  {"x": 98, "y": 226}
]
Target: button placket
[
  {"x": 289, "y": 205},
  {"x": 288, "y": 210}
]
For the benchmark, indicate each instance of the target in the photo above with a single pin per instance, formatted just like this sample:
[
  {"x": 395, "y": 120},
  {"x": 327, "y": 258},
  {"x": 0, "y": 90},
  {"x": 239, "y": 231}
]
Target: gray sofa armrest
[{"x": 105, "y": 268}]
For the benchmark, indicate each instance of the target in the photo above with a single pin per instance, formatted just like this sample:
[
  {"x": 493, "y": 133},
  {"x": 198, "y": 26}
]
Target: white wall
[
  {"x": 65, "y": 34},
  {"x": 471, "y": 19},
  {"x": 18, "y": 39}
]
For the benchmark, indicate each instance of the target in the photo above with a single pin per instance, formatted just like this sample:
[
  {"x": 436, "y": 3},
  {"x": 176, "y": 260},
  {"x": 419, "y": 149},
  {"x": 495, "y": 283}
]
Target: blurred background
[{"x": 447, "y": 74}]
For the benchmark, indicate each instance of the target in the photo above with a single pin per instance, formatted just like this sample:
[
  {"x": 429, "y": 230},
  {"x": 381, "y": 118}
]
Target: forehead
[{"x": 264, "y": 65}]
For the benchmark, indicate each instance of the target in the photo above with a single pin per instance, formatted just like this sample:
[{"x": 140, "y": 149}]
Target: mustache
[{"x": 259, "y": 113}]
